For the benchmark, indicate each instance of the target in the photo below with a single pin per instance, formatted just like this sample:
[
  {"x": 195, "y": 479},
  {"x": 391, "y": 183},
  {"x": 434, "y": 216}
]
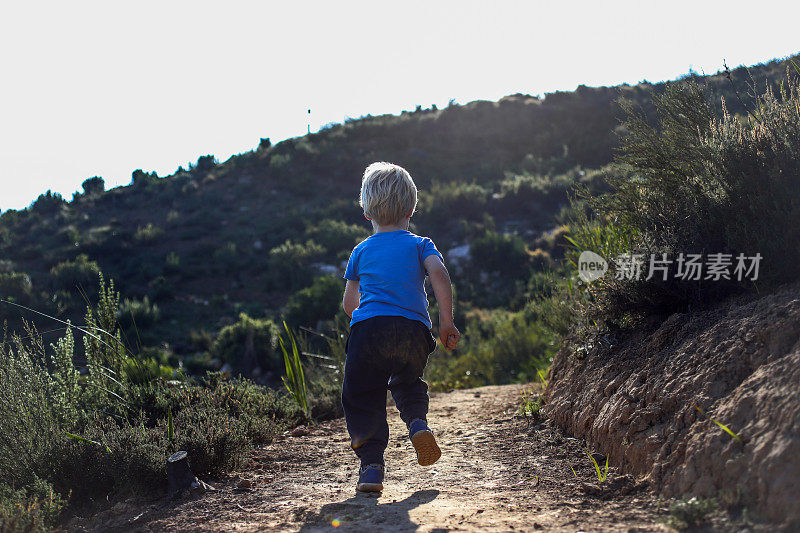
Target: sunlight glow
[{"x": 103, "y": 88}]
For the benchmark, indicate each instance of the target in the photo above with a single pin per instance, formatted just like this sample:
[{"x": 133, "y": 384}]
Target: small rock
[
  {"x": 299, "y": 431},
  {"x": 201, "y": 487},
  {"x": 244, "y": 484}
]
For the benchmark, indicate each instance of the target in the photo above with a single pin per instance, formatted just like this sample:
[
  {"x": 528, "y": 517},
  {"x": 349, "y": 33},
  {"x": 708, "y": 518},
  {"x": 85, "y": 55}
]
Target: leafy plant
[
  {"x": 319, "y": 301},
  {"x": 336, "y": 235},
  {"x": 294, "y": 380},
  {"x": 542, "y": 373},
  {"x": 531, "y": 403},
  {"x": 601, "y": 476},
  {"x": 248, "y": 343},
  {"x": 79, "y": 273},
  {"x": 689, "y": 513}
]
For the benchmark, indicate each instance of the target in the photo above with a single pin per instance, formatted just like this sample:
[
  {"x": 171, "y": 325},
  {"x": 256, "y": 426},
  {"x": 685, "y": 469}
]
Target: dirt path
[{"x": 486, "y": 480}]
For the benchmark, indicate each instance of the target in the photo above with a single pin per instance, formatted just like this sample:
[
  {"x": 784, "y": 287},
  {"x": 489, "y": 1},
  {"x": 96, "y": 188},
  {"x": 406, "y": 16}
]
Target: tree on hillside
[
  {"x": 48, "y": 202},
  {"x": 93, "y": 185},
  {"x": 205, "y": 163},
  {"x": 140, "y": 177}
]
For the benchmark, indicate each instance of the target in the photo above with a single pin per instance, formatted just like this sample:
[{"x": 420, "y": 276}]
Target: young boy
[{"x": 390, "y": 337}]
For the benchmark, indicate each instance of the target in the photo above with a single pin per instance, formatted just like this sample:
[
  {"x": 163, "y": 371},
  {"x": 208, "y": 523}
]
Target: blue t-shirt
[{"x": 391, "y": 277}]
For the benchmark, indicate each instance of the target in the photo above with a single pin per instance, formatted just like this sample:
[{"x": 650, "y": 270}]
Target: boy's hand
[
  {"x": 440, "y": 280},
  {"x": 449, "y": 335}
]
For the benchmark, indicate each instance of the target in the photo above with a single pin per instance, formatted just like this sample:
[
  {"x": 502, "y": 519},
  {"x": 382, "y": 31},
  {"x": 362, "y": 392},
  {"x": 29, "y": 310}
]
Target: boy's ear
[
  {"x": 365, "y": 216},
  {"x": 410, "y": 214}
]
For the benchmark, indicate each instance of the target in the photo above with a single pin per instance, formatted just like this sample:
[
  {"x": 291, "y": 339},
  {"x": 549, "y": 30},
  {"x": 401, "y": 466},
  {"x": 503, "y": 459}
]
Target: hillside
[
  {"x": 650, "y": 399},
  {"x": 265, "y": 232}
]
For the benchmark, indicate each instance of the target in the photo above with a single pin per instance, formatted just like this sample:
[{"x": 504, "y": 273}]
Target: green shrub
[
  {"x": 15, "y": 287},
  {"x": 688, "y": 513},
  {"x": 289, "y": 264},
  {"x": 172, "y": 264},
  {"x": 81, "y": 272},
  {"x": 249, "y": 343},
  {"x": 148, "y": 233},
  {"x": 135, "y": 314},
  {"x": 33, "y": 508},
  {"x": 335, "y": 235},
  {"x": 503, "y": 253},
  {"x": 497, "y": 347},
  {"x": 700, "y": 183},
  {"x": 438, "y": 205},
  {"x": 320, "y": 301},
  {"x": 161, "y": 289},
  {"x": 94, "y": 439},
  {"x": 279, "y": 161},
  {"x": 201, "y": 339},
  {"x": 528, "y": 193},
  {"x": 227, "y": 255},
  {"x": 199, "y": 363}
]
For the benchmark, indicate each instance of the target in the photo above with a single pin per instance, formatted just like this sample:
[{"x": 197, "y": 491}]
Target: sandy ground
[{"x": 498, "y": 472}]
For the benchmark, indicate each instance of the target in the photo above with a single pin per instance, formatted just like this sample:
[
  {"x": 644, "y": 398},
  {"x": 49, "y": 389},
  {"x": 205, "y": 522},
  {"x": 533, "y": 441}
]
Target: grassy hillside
[
  {"x": 265, "y": 232},
  {"x": 210, "y": 259}
]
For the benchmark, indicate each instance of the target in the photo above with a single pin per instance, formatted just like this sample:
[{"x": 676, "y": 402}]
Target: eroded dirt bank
[
  {"x": 739, "y": 362},
  {"x": 498, "y": 472}
]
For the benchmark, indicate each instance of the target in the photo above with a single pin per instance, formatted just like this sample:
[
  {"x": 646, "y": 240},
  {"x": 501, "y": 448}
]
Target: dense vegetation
[
  {"x": 116, "y": 422},
  {"x": 265, "y": 233},
  {"x": 212, "y": 258},
  {"x": 700, "y": 181}
]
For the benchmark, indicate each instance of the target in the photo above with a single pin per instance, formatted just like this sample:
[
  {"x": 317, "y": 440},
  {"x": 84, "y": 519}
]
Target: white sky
[{"x": 103, "y": 88}]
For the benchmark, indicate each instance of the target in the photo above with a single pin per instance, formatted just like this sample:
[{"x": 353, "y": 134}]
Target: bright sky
[{"x": 103, "y": 88}]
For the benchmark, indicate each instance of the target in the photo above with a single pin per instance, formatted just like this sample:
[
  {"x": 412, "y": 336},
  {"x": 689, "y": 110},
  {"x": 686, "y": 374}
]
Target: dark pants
[{"x": 383, "y": 352}]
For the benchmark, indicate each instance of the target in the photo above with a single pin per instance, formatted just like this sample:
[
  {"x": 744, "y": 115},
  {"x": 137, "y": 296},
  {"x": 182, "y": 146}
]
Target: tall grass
[{"x": 294, "y": 380}]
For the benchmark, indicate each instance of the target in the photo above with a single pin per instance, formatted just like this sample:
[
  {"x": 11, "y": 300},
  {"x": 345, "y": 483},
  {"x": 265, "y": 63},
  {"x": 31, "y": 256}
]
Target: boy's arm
[
  {"x": 443, "y": 290},
  {"x": 351, "y": 297}
]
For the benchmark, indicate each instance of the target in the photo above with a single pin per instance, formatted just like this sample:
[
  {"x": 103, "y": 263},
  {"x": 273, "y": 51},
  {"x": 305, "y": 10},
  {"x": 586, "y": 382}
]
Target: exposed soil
[
  {"x": 634, "y": 395},
  {"x": 499, "y": 472}
]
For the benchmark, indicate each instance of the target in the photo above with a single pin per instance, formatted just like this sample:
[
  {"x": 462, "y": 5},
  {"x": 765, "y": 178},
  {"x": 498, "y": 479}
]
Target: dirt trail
[{"x": 485, "y": 481}]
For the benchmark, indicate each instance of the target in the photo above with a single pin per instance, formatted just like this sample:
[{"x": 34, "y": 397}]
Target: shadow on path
[{"x": 363, "y": 512}]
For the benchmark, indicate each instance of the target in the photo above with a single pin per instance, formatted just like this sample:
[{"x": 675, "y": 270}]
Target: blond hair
[{"x": 388, "y": 193}]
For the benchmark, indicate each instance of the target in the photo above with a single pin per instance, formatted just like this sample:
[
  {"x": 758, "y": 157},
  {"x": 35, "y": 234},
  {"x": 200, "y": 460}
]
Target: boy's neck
[{"x": 376, "y": 228}]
